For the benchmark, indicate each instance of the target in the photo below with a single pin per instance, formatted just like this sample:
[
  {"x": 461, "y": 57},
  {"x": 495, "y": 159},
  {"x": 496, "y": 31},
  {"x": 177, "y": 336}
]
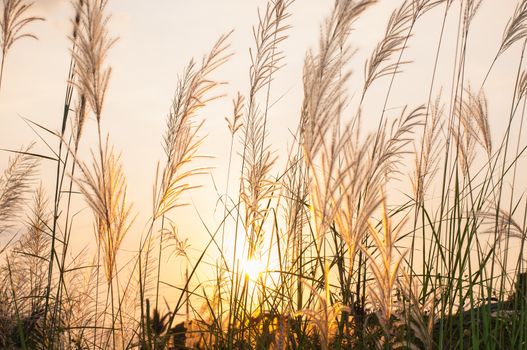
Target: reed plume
[
  {"x": 394, "y": 41},
  {"x": 472, "y": 128},
  {"x": 359, "y": 199},
  {"x": 104, "y": 189},
  {"x": 266, "y": 58},
  {"x": 427, "y": 157},
  {"x": 506, "y": 225},
  {"x": 257, "y": 184},
  {"x": 181, "y": 141},
  {"x": 375, "y": 163},
  {"x": 325, "y": 76},
  {"x": 15, "y": 184},
  {"x": 257, "y": 159},
  {"x": 475, "y": 106},
  {"x": 90, "y": 53},
  {"x": 236, "y": 123},
  {"x": 521, "y": 86},
  {"x": 13, "y": 21},
  {"x": 516, "y": 28},
  {"x": 324, "y": 97},
  {"x": 26, "y": 274},
  {"x": 398, "y": 31},
  {"x": 34, "y": 247},
  {"x": 391, "y": 143}
]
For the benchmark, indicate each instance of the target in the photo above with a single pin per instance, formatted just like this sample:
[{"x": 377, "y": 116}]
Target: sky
[{"x": 156, "y": 39}]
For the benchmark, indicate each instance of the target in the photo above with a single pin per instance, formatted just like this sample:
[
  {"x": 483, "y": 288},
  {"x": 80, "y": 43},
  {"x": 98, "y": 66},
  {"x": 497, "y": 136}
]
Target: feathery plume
[
  {"x": 237, "y": 105},
  {"x": 324, "y": 75},
  {"x": 257, "y": 184},
  {"x": 427, "y": 157},
  {"x": 516, "y": 28},
  {"x": 104, "y": 189},
  {"x": 13, "y": 20},
  {"x": 473, "y": 127},
  {"x": 92, "y": 45},
  {"x": 393, "y": 42},
  {"x": 324, "y": 80},
  {"x": 15, "y": 183},
  {"x": 180, "y": 142}
]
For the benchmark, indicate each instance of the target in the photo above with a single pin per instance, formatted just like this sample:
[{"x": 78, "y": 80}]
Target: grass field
[{"x": 383, "y": 224}]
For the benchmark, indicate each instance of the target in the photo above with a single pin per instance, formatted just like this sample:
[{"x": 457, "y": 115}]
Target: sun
[{"x": 253, "y": 268}]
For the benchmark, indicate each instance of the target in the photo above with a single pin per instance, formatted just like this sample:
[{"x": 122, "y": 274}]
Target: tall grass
[{"x": 315, "y": 251}]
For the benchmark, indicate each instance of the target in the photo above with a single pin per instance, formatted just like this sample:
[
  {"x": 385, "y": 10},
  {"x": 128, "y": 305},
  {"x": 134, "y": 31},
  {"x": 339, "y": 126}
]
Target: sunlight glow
[{"x": 253, "y": 268}]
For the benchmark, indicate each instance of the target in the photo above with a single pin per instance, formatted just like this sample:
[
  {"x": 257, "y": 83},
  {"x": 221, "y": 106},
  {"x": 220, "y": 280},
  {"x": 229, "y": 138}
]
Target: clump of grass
[
  {"x": 420, "y": 316},
  {"x": 324, "y": 316},
  {"x": 25, "y": 273}
]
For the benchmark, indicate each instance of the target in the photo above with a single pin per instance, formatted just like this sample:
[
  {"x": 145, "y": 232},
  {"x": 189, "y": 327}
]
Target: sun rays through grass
[{"x": 387, "y": 223}]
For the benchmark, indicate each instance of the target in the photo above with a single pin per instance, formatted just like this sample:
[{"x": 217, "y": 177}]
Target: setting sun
[{"x": 253, "y": 268}]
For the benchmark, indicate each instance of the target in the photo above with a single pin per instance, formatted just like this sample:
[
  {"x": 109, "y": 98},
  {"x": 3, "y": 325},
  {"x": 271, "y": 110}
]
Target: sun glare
[{"x": 253, "y": 268}]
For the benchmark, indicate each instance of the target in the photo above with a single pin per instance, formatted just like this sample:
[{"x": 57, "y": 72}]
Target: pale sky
[{"x": 157, "y": 39}]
